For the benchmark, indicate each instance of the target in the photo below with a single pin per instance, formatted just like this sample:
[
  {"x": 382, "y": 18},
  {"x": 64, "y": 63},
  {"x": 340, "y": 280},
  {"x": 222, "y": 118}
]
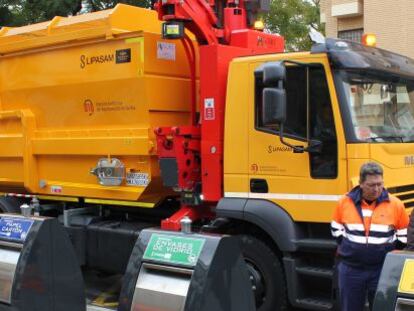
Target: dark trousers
[{"x": 355, "y": 284}]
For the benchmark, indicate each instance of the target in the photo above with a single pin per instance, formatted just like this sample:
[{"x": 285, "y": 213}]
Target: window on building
[{"x": 351, "y": 35}]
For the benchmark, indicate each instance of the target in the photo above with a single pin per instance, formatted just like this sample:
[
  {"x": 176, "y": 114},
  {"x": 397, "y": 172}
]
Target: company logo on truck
[
  {"x": 409, "y": 160},
  {"x": 265, "y": 41},
  {"x": 119, "y": 57},
  {"x": 99, "y": 59},
  {"x": 123, "y": 56},
  {"x": 254, "y": 168},
  {"x": 88, "y": 107},
  {"x": 107, "y": 106},
  {"x": 273, "y": 149}
]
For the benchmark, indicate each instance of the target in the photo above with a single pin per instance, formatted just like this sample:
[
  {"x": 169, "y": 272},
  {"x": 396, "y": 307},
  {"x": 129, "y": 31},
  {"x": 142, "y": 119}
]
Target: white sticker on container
[
  {"x": 56, "y": 189},
  {"x": 209, "y": 110},
  {"x": 166, "y": 50},
  {"x": 137, "y": 179}
]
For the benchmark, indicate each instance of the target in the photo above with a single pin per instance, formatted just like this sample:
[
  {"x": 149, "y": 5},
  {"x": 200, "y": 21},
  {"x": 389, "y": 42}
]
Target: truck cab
[{"x": 290, "y": 157}]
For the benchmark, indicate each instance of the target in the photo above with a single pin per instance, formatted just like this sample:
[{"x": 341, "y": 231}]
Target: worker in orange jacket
[{"x": 367, "y": 223}]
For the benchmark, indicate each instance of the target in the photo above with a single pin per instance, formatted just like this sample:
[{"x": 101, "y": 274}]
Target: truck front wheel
[{"x": 266, "y": 274}]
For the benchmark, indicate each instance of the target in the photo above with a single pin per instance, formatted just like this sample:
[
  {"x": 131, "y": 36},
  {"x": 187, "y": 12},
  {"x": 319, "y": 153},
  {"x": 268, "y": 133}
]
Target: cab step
[
  {"x": 97, "y": 308},
  {"x": 316, "y": 244},
  {"x": 315, "y": 303},
  {"x": 300, "y": 274},
  {"x": 315, "y": 271}
]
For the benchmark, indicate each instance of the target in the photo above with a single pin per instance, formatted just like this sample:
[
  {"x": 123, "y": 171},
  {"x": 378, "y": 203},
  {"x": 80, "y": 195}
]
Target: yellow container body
[{"x": 75, "y": 90}]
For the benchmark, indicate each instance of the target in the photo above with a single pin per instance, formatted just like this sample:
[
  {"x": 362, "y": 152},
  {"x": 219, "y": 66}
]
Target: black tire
[
  {"x": 266, "y": 274},
  {"x": 10, "y": 204}
]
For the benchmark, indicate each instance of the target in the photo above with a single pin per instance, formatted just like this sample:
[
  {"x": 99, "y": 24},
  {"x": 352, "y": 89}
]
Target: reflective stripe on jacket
[{"x": 366, "y": 232}]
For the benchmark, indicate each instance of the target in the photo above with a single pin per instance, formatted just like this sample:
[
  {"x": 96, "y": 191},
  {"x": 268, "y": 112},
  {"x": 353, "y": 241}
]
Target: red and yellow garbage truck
[{"x": 130, "y": 118}]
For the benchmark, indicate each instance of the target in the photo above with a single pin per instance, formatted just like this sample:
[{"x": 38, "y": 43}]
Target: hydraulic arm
[{"x": 191, "y": 158}]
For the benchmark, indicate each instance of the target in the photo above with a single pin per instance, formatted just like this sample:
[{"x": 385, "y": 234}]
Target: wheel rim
[{"x": 258, "y": 283}]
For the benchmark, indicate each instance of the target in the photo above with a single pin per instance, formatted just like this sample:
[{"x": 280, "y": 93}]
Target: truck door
[{"x": 306, "y": 184}]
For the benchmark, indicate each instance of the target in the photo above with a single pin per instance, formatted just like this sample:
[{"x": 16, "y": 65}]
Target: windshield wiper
[{"x": 389, "y": 138}]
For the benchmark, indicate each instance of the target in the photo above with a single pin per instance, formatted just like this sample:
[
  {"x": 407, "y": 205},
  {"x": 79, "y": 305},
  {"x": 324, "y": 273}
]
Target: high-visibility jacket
[{"x": 367, "y": 232}]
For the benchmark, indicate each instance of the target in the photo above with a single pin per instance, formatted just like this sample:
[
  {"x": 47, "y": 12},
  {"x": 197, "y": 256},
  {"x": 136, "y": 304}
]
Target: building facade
[{"x": 392, "y": 21}]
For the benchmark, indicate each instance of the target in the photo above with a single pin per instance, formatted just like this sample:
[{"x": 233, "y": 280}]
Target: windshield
[{"x": 381, "y": 107}]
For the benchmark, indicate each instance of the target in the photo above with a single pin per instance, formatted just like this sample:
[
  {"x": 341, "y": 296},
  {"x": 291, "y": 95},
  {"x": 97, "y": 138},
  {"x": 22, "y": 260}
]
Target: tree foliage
[
  {"x": 98, "y": 5},
  {"x": 294, "y": 19}
]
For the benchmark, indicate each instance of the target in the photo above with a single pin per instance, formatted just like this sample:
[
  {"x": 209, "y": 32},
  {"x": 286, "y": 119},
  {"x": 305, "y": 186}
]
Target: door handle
[{"x": 258, "y": 185}]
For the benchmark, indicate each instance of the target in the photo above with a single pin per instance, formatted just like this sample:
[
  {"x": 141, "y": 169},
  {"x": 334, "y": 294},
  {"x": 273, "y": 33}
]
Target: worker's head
[{"x": 371, "y": 180}]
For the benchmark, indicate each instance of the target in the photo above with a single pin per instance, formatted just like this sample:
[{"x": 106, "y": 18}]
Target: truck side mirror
[
  {"x": 273, "y": 73},
  {"x": 274, "y": 95},
  {"x": 274, "y": 106}
]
